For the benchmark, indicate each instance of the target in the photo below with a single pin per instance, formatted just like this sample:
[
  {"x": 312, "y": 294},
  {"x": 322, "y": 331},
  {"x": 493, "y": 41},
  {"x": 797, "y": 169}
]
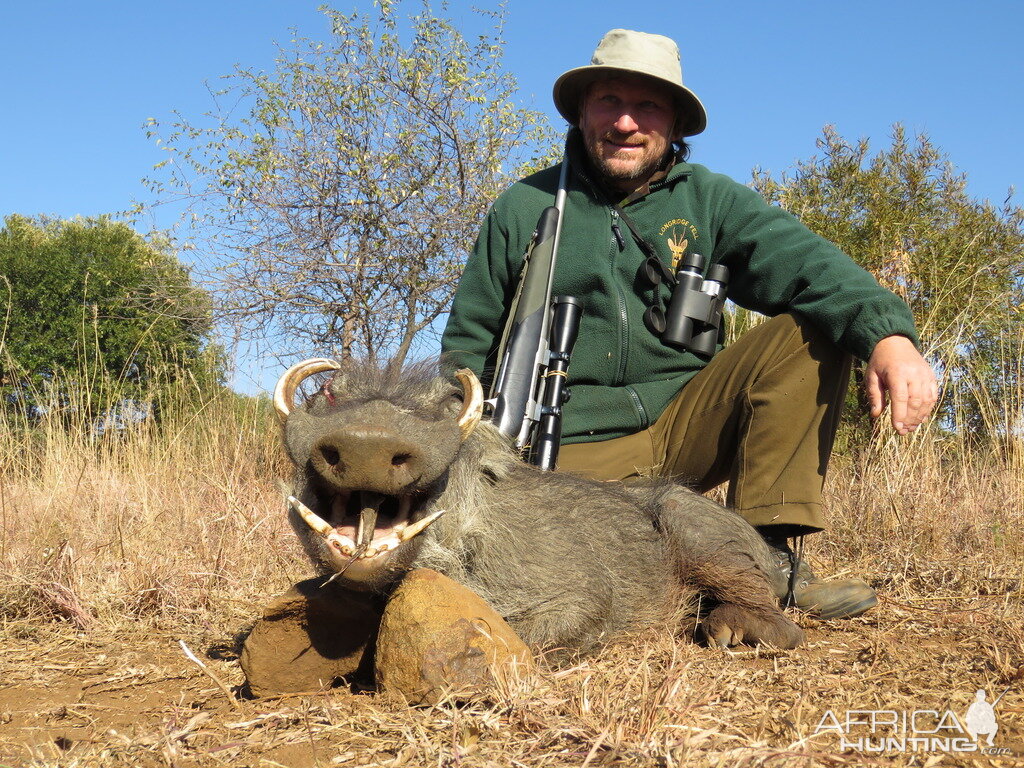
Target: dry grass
[
  {"x": 115, "y": 548},
  {"x": 151, "y": 524}
]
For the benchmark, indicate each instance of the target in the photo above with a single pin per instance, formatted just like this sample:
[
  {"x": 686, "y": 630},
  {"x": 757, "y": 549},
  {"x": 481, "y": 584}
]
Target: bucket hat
[{"x": 639, "y": 53}]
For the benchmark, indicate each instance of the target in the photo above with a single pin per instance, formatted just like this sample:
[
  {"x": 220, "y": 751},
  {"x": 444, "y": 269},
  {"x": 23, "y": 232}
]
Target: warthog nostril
[
  {"x": 331, "y": 455},
  {"x": 400, "y": 459}
]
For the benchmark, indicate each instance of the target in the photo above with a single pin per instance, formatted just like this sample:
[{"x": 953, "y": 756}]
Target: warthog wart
[{"x": 396, "y": 470}]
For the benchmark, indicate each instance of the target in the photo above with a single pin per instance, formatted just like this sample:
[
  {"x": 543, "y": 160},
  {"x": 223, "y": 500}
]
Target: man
[{"x": 763, "y": 412}]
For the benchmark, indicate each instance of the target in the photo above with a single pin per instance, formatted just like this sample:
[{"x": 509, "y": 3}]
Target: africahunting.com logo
[{"x": 919, "y": 730}]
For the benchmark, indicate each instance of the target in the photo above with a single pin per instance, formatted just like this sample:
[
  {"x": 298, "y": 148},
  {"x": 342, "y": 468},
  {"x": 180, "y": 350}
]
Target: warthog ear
[
  {"x": 472, "y": 401},
  {"x": 284, "y": 392}
]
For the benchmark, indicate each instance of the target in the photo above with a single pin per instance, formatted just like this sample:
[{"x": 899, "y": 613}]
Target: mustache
[{"x": 620, "y": 138}]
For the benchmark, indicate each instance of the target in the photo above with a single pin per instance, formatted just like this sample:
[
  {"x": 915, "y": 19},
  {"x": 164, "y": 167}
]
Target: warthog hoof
[{"x": 729, "y": 625}]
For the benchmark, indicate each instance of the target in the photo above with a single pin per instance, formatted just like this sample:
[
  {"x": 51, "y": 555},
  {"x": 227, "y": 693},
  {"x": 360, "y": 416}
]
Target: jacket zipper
[
  {"x": 621, "y": 298},
  {"x": 641, "y": 412},
  {"x": 616, "y": 231},
  {"x": 620, "y": 242}
]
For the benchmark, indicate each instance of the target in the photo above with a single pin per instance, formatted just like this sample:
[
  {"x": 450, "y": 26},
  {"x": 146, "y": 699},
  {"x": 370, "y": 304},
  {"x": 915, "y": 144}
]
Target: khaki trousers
[{"x": 762, "y": 415}]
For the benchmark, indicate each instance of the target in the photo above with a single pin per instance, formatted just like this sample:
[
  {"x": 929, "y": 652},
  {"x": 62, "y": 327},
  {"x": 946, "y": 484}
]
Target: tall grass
[{"x": 178, "y": 519}]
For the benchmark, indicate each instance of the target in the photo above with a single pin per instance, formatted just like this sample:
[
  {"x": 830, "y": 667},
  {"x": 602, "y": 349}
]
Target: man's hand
[{"x": 897, "y": 370}]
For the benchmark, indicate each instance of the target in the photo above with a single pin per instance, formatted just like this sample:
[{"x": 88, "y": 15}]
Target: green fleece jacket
[{"x": 622, "y": 376}]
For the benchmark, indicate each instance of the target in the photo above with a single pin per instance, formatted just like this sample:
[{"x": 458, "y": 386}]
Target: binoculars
[{"x": 694, "y": 312}]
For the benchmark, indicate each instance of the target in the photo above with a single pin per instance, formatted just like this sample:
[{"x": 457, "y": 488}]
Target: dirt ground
[{"x": 73, "y": 699}]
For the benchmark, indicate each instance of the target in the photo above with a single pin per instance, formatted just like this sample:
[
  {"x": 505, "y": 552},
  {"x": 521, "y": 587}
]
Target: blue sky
[{"x": 81, "y": 78}]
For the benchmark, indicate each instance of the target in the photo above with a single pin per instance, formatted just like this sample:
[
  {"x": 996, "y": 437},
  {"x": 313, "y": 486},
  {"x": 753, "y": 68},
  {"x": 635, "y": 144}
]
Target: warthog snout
[{"x": 369, "y": 459}]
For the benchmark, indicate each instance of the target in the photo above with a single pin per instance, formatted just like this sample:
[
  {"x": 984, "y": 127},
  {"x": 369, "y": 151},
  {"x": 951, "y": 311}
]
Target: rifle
[{"x": 527, "y": 394}]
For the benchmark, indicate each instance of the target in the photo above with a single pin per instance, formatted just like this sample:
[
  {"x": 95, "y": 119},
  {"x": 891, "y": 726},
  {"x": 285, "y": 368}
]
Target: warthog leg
[{"x": 718, "y": 552}]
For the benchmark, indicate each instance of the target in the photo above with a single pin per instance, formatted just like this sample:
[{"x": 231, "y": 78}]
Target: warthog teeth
[
  {"x": 409, "y": 531},
  {"x": 313, "y": 520},
  {"x": 381, "y": 547},
  {"x": 345, "y": 545}
]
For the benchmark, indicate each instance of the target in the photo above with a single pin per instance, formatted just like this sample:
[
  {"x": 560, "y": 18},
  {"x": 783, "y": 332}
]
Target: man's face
[{"x": 628, "y": 124}]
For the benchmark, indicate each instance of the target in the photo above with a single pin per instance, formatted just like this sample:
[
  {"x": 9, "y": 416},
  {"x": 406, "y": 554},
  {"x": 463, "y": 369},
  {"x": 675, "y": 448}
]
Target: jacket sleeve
[
  {"x": 473, "y": 332},
  {"x": 777, "y": 265}
]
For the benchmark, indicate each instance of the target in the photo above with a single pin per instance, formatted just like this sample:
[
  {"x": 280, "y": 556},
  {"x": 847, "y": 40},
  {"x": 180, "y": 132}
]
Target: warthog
[{"x": 396, "y": 470}]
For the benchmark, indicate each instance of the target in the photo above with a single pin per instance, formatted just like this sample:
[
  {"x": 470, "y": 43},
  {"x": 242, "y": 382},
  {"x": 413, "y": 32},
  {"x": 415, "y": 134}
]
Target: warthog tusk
[
  {"x": 347, "y": 545},
  {"x": 313, "y": 520},
  {"x": 284, "y": 392},
  {"x": 472, "y": 401},
  {"x": 419, "y": 525}
]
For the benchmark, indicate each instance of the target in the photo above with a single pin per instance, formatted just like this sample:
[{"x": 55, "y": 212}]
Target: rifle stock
[
  {"x": 520, "y": 395},
  {"x": 525, "y": 352}
]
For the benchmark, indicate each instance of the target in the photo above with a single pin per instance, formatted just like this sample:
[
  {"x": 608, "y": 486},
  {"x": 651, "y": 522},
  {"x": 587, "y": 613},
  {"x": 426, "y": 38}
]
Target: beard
[{"x": 626, "y": 166}]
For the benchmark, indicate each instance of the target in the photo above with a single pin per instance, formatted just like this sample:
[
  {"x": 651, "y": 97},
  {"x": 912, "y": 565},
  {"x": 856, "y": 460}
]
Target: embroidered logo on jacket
[{"x": 679, "y": 232}]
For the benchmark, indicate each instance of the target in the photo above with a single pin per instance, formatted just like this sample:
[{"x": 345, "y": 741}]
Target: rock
[
  {"x": 308, "y": 637},
  {"x": 438, "y": 637}
]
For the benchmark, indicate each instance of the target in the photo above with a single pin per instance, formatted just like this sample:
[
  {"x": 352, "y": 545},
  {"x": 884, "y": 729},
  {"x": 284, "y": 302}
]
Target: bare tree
[{"x": 342, "y": 191}]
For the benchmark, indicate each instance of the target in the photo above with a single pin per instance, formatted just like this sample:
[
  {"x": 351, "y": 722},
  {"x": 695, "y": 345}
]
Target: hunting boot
[{"x": 795, "y": 584}]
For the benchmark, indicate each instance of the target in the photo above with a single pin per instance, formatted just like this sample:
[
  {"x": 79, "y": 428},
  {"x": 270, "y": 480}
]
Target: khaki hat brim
[{"x": 569, "y": 88}]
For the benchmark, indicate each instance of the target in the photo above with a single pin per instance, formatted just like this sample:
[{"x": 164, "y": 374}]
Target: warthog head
[{"x": 373, "y": 451}]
